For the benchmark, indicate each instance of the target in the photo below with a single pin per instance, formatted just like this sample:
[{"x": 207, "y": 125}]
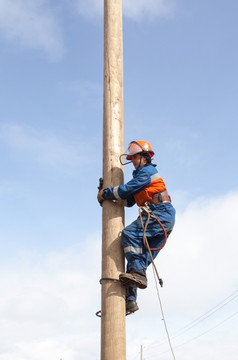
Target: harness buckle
[{"x": 146, "y": 208}]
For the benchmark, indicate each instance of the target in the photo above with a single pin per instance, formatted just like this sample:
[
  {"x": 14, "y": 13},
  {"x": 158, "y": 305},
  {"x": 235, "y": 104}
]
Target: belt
[{"x": 159, "y": 198}]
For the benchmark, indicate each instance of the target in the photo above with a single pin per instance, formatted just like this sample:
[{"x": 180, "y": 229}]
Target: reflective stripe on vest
[{"x": 154, "y": 177}]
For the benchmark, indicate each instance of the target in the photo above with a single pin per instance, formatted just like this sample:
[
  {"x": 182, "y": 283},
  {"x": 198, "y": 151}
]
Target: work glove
[{"x": 100, "y": 197}]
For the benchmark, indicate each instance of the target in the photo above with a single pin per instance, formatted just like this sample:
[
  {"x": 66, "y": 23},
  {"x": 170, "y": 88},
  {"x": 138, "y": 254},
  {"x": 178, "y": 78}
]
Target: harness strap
[{"x": 142, "y": 211}]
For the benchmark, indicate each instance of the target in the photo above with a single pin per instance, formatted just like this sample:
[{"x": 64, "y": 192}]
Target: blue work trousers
[{"x": 138, "y": 257}]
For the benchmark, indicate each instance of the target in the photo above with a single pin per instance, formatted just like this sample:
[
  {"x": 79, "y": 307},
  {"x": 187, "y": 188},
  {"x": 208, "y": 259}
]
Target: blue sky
[{"x": 180, "y": 93}]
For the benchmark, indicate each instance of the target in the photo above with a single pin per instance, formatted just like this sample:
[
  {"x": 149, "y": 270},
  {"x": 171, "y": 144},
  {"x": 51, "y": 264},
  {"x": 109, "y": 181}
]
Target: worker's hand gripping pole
[{"x": 100, "y": 187}]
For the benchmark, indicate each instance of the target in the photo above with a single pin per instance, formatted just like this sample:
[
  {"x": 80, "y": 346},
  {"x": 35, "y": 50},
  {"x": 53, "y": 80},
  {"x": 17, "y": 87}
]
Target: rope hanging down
[
  {"x": 146, "y": 210},
  {"x": 142, "y": 211}
]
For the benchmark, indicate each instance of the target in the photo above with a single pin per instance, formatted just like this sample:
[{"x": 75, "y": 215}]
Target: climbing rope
[
  {"x": 142, "y": 211},
  {"x": 146, "y": 210}
]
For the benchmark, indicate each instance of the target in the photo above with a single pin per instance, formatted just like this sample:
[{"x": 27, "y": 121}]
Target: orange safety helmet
[{"x": 136, "y": 147}]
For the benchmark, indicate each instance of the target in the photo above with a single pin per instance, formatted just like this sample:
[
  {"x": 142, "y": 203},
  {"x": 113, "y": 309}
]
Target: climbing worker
[{"x": 148, "y": 190}]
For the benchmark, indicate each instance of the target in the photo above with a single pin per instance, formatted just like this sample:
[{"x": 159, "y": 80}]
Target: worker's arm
[
  {"x": 140, "y": 180},
  {"x": 130, "y": 201}
]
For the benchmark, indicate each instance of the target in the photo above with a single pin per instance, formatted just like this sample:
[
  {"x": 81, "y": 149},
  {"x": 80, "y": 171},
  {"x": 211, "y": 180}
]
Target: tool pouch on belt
[{"x": 159, "y": 198}]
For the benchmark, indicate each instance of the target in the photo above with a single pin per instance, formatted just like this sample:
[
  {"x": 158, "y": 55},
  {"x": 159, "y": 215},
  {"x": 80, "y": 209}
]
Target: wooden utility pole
[
  {"x": 141, "y": 352},
  {"x": 113, "y": 339}
]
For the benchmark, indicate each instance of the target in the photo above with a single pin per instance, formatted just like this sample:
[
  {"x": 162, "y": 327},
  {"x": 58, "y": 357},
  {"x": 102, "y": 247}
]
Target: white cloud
[
  {"x": 205, "y": 239},
  {"x": 31, "y": 143},
  {"x": 199, "y": 258},
  {"x": 135, "y": 10},
  {"x": 34, "y": 25},
  {"x": 199, "y": 268},
  {"x": 30, "y": 23},
  {"x": 48, "y": 303}
]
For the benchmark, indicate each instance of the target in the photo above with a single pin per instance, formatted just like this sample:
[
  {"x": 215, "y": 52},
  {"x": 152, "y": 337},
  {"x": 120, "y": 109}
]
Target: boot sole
[
  {"x": 129, "y": 312},
  {"x": 128, "y": 281},
  {"x": 132, "y": 310}
]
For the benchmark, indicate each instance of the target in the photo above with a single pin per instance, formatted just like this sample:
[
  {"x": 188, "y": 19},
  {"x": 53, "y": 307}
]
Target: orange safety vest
[{"x": 157, "y": 185}]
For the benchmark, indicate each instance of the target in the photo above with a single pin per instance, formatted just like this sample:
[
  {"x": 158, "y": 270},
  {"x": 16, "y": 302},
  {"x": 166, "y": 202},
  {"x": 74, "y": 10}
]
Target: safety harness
[{"x": 145, "y": 210}]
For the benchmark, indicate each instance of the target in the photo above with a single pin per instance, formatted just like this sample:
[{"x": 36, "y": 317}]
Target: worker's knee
[{"x": 127, "y": 238}]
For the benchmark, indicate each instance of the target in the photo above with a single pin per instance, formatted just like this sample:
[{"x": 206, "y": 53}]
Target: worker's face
[{"x": 138, "y": 160}]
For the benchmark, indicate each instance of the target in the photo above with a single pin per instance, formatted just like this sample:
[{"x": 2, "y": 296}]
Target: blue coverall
[{"x": 137, "y": 255}]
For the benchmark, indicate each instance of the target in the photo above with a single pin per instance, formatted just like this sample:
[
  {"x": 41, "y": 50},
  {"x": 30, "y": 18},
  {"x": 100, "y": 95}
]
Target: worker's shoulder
[{"x": 147, "y": 169}]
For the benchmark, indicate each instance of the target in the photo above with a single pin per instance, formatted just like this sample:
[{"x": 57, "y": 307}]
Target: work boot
[
  {"x": 134, "y": 279},
  {"x": 131, "y": 307}
]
